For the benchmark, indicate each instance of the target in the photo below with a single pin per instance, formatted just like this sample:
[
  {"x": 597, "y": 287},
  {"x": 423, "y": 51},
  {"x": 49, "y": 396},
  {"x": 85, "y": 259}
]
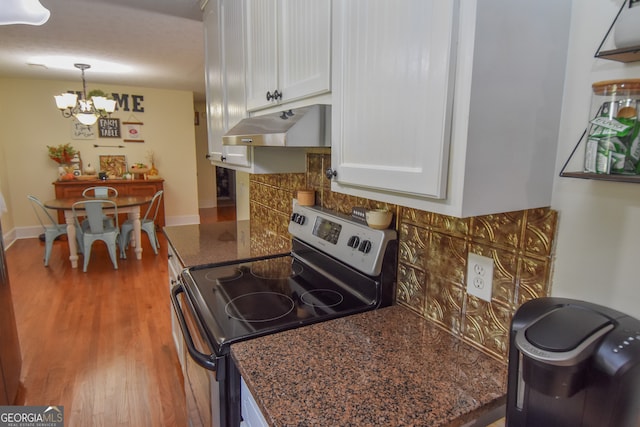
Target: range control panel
[{"x": 349, "y": 241}]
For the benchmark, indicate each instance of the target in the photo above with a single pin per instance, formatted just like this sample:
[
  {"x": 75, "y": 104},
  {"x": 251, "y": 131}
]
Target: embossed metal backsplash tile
[
  {"x": 433, "y": 252},
  {"x": 435, "y": 248}
]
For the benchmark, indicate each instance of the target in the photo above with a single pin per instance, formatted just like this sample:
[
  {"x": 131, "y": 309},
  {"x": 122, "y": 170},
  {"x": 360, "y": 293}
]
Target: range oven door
[{"x": 208, "y": 378}]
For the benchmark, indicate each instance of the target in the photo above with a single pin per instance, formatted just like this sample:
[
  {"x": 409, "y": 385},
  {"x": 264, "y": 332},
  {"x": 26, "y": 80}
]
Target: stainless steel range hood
[{"x": 299, "y": 127}]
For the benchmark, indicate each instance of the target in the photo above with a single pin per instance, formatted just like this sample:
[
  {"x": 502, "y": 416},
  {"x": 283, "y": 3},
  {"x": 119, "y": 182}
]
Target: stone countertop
[
  {"x": 201, "y": 244},
  {"x": 387, "y": 367}
]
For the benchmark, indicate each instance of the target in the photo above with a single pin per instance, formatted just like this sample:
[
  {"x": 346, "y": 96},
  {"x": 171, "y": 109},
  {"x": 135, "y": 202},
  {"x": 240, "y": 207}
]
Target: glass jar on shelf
[{"x": 613, "y": 140}]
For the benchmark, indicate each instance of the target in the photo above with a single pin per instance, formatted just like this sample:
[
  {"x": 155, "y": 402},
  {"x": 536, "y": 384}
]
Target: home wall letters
[{"x": 122, "y": 101}]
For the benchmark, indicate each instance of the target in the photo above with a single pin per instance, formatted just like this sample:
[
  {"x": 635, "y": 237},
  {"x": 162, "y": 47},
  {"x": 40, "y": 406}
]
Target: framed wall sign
[
  {"x": 109, "y": 128},
  {"x": 80, "y": 131},
  {"x": 132, "y": 131}
]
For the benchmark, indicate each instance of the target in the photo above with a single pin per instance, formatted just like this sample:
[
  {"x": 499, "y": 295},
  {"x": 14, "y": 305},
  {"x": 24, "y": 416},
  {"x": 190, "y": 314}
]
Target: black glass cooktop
[{"x": 240, "y": 301}]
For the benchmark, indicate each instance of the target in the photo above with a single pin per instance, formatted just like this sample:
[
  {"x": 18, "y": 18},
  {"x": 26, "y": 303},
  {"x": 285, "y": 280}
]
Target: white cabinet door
[
  {"x": 213, "y": 78},
  {"x": 392, "y": 97},
  {"x": 224, "y": 59},
  {"x": 304, "y": 48},
  {"x": 235, "y": 108},
  {"x": 451, "y": 107},
  {"x": 261, "y": 45},
  {"x": 288, "y": 50}
]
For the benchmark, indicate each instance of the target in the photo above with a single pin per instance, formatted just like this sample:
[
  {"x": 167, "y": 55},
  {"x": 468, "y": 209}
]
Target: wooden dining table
[{"x": 125, "y": 204}]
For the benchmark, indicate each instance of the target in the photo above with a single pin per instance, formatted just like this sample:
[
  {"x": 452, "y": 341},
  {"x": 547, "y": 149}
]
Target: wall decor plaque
[
  {"x": 109, "y": 128},
  {"x": 80, "y": 131},
  {"x": 114, "y": 166},
  {"x": 132, "y": 131}
]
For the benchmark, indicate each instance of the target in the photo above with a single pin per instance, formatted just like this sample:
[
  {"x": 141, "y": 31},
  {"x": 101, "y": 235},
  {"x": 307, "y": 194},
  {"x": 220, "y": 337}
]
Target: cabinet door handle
[
  {"x": 331, "y": 173},
  {"x": 275, "y": 96}
]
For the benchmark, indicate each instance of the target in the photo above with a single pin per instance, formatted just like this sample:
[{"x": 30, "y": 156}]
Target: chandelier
[
  {"x": 85, "y": 110},
  {"x": 29, "y": 12}
]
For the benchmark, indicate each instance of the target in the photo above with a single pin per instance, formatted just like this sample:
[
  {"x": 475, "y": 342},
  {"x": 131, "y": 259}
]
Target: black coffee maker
[{"x": 573, "y": 364}]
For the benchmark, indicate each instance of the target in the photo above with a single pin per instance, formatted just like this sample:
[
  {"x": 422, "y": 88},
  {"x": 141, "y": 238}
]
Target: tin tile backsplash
[{"x": 433, "y": 251}]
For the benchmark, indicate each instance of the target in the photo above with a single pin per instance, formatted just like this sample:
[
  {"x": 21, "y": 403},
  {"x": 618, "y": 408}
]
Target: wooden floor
[
  {"x": 98, "y": 343},
  {"x": 220, "y": 213}
]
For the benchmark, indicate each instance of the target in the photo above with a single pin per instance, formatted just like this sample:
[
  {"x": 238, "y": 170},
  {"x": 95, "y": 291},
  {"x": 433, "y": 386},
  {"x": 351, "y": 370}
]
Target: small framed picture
[
  {"x": 80, "y": 131},
  {"x": 132, "y": 131},
  {"x": 113, "y": 166},
  {"x": 108, "y": 128}
]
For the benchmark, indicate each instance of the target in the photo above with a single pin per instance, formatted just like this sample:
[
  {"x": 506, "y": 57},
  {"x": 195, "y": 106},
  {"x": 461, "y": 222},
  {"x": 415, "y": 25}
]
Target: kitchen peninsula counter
[
  {"x": 387, "y": 367},
  {"x": 199, "y": 244}
]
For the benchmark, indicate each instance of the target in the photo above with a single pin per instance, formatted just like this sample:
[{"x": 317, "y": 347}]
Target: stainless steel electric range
[{"x": 338, "y": 266}]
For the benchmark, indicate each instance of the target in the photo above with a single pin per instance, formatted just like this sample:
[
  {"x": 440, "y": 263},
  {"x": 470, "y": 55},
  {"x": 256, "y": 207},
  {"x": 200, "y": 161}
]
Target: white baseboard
[
  {"x": 182, "y": 220},
  {"x": 28, "y": 232},
  {"x": 207, "y": 203},
  {"x": 9, "y": 237}
]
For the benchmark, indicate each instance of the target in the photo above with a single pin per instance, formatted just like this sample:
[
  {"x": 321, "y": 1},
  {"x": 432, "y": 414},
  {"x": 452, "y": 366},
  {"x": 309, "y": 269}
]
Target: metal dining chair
[
  {"x": 93, "y": 227},
  {"x": 52, "y": 229},
  {"x": 147, "y": 224},
  {"x": 100, "y": 191}
]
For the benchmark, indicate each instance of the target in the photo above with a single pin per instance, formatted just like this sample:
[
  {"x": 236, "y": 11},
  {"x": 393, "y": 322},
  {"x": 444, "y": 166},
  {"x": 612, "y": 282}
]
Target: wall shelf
[
  {"x": 633, "y": 179},
  {"x": 625, "y": 54}
]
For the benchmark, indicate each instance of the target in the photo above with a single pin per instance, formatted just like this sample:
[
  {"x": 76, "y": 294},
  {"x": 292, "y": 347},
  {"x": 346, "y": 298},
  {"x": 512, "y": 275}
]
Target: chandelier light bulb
[
  {"x": 86, "y": 118},
  {"x": 66, "y": 100}
]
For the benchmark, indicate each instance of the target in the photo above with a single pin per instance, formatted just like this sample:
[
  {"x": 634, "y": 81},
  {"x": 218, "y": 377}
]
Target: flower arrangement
[
  {"x": 63, "y": 153},
  {"x": 152, "y": 160}
]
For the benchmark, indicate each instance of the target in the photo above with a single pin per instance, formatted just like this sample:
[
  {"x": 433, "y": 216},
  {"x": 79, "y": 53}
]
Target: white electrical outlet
[{"x": 480, "y": 276}]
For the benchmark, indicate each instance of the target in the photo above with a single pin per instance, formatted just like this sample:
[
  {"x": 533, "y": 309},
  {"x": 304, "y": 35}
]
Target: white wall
[
  {"x": 598, "y": 244},
  {"x": 29, "y": 121},
  {"x": 206, "y": 171}
]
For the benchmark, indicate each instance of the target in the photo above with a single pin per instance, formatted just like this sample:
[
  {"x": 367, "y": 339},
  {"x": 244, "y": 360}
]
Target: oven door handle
[{"x": 207, "y": 361}]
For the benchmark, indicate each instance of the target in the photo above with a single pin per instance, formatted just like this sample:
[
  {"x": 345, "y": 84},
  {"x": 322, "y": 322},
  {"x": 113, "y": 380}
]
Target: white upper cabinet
[
  {"x": 224, "y": 31},
  {"x": 448, "y": 106},
  {"x": 288, "y": 51},
  {"x": 224, "y": 59},
  {"x": 213, "y": 78}
]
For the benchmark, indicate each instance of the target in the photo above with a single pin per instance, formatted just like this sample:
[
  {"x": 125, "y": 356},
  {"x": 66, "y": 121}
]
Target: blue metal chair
[
  {"x": 52, "y": 229},
  {"x": 100, "y": 192},
  {"x": 93, "y": 227},
  {"x": 147, "y": 224}
]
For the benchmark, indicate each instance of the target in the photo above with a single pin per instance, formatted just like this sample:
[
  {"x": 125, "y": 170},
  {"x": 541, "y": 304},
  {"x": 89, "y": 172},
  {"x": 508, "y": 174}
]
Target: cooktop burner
[
  {"x": 259, "y": 297},
  {"x": 259, "y": 307}
]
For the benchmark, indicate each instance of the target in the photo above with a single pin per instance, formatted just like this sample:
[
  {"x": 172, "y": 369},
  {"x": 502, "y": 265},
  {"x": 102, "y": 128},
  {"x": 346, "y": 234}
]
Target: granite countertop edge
[{"x": 383, "y": 367}]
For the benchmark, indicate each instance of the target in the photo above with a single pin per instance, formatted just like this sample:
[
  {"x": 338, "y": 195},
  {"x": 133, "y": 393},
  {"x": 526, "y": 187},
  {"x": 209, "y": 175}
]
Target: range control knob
[
  {"x": 353, "y": 242},
  {"x": 300, "y": 219},
  {"x": 365, "y": 246}
]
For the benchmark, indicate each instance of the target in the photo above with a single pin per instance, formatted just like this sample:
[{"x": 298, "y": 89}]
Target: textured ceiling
[{"x": 160, "y": 40}]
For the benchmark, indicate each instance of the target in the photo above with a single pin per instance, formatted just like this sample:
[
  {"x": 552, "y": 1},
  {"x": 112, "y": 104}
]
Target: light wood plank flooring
[
  {"x": 217, "y": 214},
  {"x": 98, "y": 343}
]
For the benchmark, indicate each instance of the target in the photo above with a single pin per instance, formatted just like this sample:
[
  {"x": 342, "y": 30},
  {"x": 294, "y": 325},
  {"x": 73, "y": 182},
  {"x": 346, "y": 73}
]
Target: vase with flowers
[
  {"x": 153, "y": 172},
  {"x": 63, "y": 154}
]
